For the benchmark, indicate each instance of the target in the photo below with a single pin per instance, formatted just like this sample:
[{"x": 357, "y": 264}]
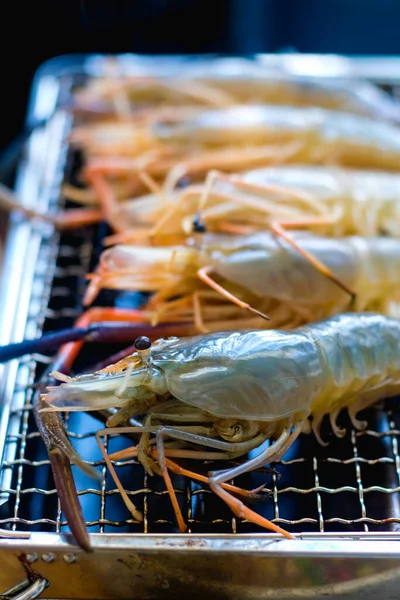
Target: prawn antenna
[
  {"x": 204, "y": 274},
  {"x": 353, "y": 299},
  {"x": 280, "y": 230},
  {"x": 142, "y": 345}
]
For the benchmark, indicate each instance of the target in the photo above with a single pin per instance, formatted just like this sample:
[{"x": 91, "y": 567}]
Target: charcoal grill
[{"x": 341, "y": 502}]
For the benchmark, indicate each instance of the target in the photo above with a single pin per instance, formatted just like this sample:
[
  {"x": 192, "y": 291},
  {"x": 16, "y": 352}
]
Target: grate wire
[{"x": 295, "y": 498}]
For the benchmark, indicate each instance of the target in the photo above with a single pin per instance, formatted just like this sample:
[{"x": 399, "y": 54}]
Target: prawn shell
[
  {"x": 271, "y": 268},
  {"x": 250, "y": 375},
  {"x": 86, "y": 392},
  {"x": 265, "y": 124}
]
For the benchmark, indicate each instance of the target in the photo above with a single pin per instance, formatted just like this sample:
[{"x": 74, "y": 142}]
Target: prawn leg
[
  {"x": 197, "y": 439},
  {"x": 204, "y": 274},
  {"x": 198, "y": 316},
  {"x": 162, "y": 464},
  {"x": 182, "y": 169},
  {"x": 108, "y": 201},
  {"x": 168, "y": 483},
  {"x": 68, "y": 219},
  {"x": 284, "y": 441},
  {"x": 320, "y": 218},
  {"x": 175, "y": 468},
  {"x": 127, "y": 501},
  {"x": 272, "y": 453},
  {"x": 215, "y": 481}
]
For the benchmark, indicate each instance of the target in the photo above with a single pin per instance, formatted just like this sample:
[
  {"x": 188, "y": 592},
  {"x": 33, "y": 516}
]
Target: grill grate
[{"x": 351, "y": 485}]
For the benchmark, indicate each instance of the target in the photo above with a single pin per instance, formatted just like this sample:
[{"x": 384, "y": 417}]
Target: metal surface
[
  {"x": 26, "y": 590},
  {"x": 382, "y": 70},
  {"x": 3, "y": 230},
  {"x": 341, "y": 501},
  {"x": 248, "y": 567}
]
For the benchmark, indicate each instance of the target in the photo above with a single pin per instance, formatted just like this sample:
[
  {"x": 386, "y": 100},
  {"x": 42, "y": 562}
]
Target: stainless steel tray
[{"x": 342, "y": 502}]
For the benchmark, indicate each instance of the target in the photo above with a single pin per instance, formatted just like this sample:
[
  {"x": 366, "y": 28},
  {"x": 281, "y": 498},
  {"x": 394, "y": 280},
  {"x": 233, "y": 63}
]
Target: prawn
[
  {"x": 231, "y": 391},
  {"x": 122, "y": 95},
  {"x": 257, "y": 272},
  {"x": 353, "y": 202},
  {"x": 232, "y": 139},
  {"x": 334, "y": 201},
  {"x": 235, "y": 139}
]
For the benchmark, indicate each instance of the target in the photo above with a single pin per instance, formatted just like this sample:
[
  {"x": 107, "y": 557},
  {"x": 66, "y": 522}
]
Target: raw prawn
[
  {"x": 230, "y": 391},
  {"x": 238, "y": 138},
  {"x": 334, "y": 201},
  {"x": 122, "y": 95},
  {"x": 353, "y": 202},
  {"x": 257, "y": 272}
]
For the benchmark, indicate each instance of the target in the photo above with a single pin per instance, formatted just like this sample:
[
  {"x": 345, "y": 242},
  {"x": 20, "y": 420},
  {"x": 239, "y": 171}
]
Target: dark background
[{"x": 33, "y": 32}]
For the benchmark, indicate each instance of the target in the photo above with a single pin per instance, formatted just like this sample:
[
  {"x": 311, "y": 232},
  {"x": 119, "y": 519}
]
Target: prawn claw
[
  {"x": 61, "y": 453},
  {"x": 69, "y": 500}
]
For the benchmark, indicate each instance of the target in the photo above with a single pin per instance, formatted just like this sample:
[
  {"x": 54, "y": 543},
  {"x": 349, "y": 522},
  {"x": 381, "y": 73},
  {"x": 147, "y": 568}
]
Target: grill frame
[{"x": 29, "y": 249}]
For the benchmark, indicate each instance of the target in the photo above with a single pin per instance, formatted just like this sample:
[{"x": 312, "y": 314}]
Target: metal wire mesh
[{"x": 350, "y": 485}]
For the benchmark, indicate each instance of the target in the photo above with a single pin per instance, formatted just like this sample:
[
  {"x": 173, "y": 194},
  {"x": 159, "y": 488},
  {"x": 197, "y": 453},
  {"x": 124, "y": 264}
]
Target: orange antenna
[
  {"x": 204, "y": 275},
  {"x": 279, "y": 230}
]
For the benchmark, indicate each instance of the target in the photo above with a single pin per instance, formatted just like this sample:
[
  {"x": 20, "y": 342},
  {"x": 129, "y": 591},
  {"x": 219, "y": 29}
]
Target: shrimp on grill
[
  {"x": 257, "y": 272},
  {"x": 235, "y": 139},
  {"x": 128, "y": 94},
  {"x": 353, "y": 202},
  {"x": 332, "y": 201},
  {"x": 219, "y": 395}
]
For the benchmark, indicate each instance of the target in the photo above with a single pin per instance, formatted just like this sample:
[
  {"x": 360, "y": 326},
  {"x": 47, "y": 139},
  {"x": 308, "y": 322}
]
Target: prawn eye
[
  {"x": 198, "y": 226},
  {"x": 142, "y": 343}
]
